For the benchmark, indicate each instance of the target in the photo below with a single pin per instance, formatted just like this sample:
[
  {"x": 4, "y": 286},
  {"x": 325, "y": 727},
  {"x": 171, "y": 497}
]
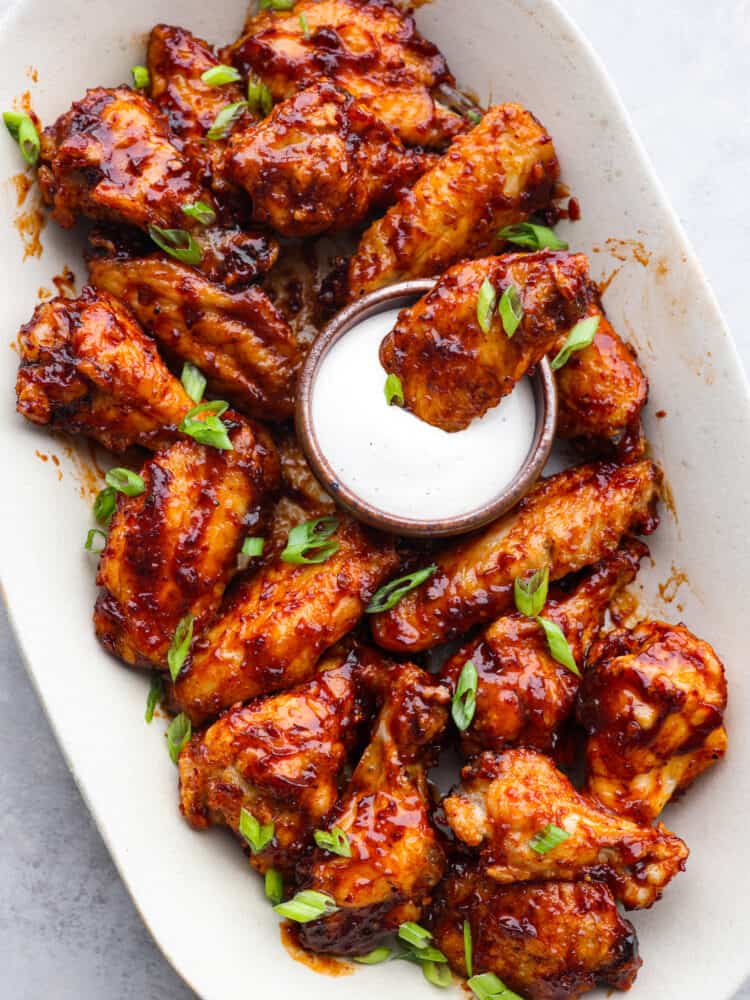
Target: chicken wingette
[
  {"x": 529, "y": 823},
  {"x": 653, "y": 703},
  {"x": 393, "y": 857},
  {"x": 500, "y": 173},
  {"x": 545, "y": 940},
  {"x": 370, "y": 48},
  {"x": 567, "y": 522},
  {"x": 320, "y": 163},
  {"x": 451, "y": 367},
  {"x": 523, "y": 694},
  {"x": 280, "y": 620}
]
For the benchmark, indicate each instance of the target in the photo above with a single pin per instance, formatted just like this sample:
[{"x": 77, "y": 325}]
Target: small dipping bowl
[{"x": 411, "y": 478}]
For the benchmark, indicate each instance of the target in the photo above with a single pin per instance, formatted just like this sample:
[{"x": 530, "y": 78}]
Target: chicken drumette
[{"x": 653, "y": 703}]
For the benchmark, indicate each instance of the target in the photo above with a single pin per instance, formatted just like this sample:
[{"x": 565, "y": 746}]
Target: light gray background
[{"x": 68, "y": 930}]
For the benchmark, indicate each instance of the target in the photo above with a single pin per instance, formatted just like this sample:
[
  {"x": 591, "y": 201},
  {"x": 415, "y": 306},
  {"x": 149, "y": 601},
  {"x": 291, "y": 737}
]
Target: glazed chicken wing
[
  {"x": 368, "y": 47},
  {"x": 508, "y": 801},
  {"x": 500, "y": 173},
  {"x": 547, "y": 941},
  {"x": 280, "y": 620},
  {"x": 394, "y": 856},
  {"x": 451, "y": 370},
  {"x": 653, "y": 703},
  {"x": 239, "y": 340},
  {"x": 523, "y": 694},
  {"x": 568, "y": 521},
  {"x": 321, "y": 162},
  {"x": 172, "y": 550}
]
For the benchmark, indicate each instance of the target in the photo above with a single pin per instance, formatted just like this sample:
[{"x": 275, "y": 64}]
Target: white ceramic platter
[{"x": 195, "y": 891}]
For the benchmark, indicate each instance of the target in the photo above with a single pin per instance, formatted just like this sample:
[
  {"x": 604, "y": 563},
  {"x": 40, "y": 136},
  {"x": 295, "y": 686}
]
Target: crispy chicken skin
[
  {"x": 321, "y": 162},
  {"x": 451, "y": 371},
  {"x": 547, "y": 941},
  {"x": 506, "y": 799},
  {"x": 238, "y": 339},
  {"x": 569, "y": 521},
  {"x": 280, "y": 620},
  {"x": 172, "y": 550},
  {"x": 498, "y": 174},
  {"x": 523, "y": 695},
  {"x": 396, "y": 858},
  {"x": 653, "y": 703},
  {"x": 368, "y": 47},
  {"x": 279, "y": 757},
  {"x": 88, "y": 368}
]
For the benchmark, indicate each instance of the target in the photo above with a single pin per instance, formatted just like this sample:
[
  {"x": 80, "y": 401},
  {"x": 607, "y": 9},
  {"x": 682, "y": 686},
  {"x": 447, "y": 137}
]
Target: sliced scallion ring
[
  {"x": 334, "y": 840},
  {"x": 155, "y": 694},
  {"x": 311, "y": 542},
  {"x": 511, "y": 310},
  {"x": 306, "y": 906},
  {"x": 210, "y": 430},
  {"x": 220, "y": 76},
  {"x": 530, "y": 592},
  {"x": 257, "y": 835},
  {"x": 558, "y": 645},
  {"x": 225, "y": 120},
  {"x": 180, "y": 645},
  {"x": 580, "y": 337},
  {"x": 178, "y": 243},
  {"x": 394, "y": 391},
  {"x": 125, "y": 481},
  {"x": 201, "y": 212},
  {"x": 486, "y": 302},
  {"x": 23, "y": 130},
  {"x": 391, "y": 593},
  {"x": 465, "y": 698},
  {"x": 193, "y": 381},
  {"x": 532, "y": 237},
  {"x": 141, "y": 77},
  {"x": 274, "y": 886},
  {"x": 259, "y": 98},
  {"x": 92, "y": 543},
  {"x": 179, "y": 732}
]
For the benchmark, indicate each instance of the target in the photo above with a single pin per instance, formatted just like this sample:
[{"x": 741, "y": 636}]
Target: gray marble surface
[{"x": 68, "y": 929}]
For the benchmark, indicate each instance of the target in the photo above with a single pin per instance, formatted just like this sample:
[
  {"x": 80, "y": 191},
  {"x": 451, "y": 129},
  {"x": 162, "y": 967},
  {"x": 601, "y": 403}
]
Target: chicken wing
[
  {"x": 568, "y": 521},
  {"x": 172, "y": 550},
  {"x": 547, "y": 941},
  {"x": 88, "y": 368},
  {"x": 523, "y": 694},
  {"x": 280, "y": 620},
  {"x": 369, "y": 47},
  {"x": 501, "y": 172},
  {"x": 508, "y": 802},
  {"x": 451, "y": 369},
  {"x": 239, "y": 340},
  {"x": 394, "y": 855},
  {"x": 320, "y": 163},
  {"x": 653, "y": 703},
  {"x": 302, "y": 497}
]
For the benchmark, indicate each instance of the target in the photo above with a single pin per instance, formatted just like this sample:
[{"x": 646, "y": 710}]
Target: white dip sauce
[{"x": 394, "y": 460}]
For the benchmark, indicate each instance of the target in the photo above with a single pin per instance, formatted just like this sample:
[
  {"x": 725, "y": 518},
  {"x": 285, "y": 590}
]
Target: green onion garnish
[
  {"x": 414, "y": 934},
  {"x": 179, "y": 732},
  {"x": 306, "y": 905},
  {"x": 256, "y": 834},
  {"x": 91, "y": 537},
  {"x": 23, "y": 130},
  {"x": 465, "y": 698},
  {"x": 125, "y": 481},
  {"x": 436, "y": 973},
  {"x": 193, "y": 381},
  {"x": 210, "y": 431},
  {"x": 277, "y": 4},
  {"x": 473, "y": 116},
  {"x": 532, "y": 237},
  {"x": 155, "y": 694},
  {"x": 225, "y": 120},
  {"x": 511, "y": 310},
  {"x": 304, "y": 25},
  {"x": 551, "y": 836},
  {"x": 486, "y": 302},
  {"x": 334, "y": 840},
  {"x": 487, "y": 986},
  {"x": 219, "y": 76},
  {"x": 581, "y": 336},
  {"x": 253, "y": 547},
  {"x": 201, "y": 212},
  {"x": 394, "y": 391},
  {"x": 104, "y": 505},
  {"x": 259, "y": 97},
  {"x": 558, "y": 645},
  {"x": 530, "y": 592},
  {"x": 374, "y": 957},
  {"x": 141, "y": 77},
  {"x": 274, "y": 886},
  {"x": 180, "y": 645},
  {"x": 468, "y": 949},
  {"x": 178, "y": 243},
  {"x": 311, "y": 542},
  {"x": 391, "y": 593}
]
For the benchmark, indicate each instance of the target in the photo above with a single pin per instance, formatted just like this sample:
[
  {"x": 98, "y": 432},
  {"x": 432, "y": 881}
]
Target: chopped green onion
[
  {"x": 253, "y": 547},
  {"x": 551, "y": 836},
  {"x": 201, "y": 212},
  {"x": 141, "y": 77},
  {"x": 581, "y": 336},
  {"x": 531, "y": 592},
  {"x": 225, "y": 119},
  {"x": 474, "y": 117},
  {"x": 179, "y": 732},
  {"x": 210, "y": 431},
  {"x": 304, "y": 25},
  {"x": 558, "y": 645},
  {"x": 391, "y": 593},
  {"x": 427, "y": 953},
  {"x": 104, "y": 505},
  {"x": 125, "y": 481},
  {"x": 468, "y": 949},
  {"x": 374, "y": 957},
  {"x": 436, "y": 973},
  {"x": 259, "y": 97},
  {"x": 335, "y": 841},
  {"x": 155, "y": 694},
  {"x": 256, "y": 834},
  {"x": 178, "y": 243},
  {"x": 218, "y": 76},
  {"x": 274, "y": 886},
  {"x": 23, "y": 130},
  {"x": 180, "y": 645},
  {"x": 311, "y": 542},
  {"x": 193, "y": 381},
  {"x": 486, "y": 303},
  {"x": 465, "y": 698},
  {"x": 394, "y": 391},
  {"x": 532, "y": 237},
  {"x": 91, "y": 538},
  {"x": 307, "y": 905},
  {"x": 277, "y": 4},
  {"x": 511, "y": 310},
  {"x": 415, "y": 935},
  {"x": 487, "y": 986}
]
